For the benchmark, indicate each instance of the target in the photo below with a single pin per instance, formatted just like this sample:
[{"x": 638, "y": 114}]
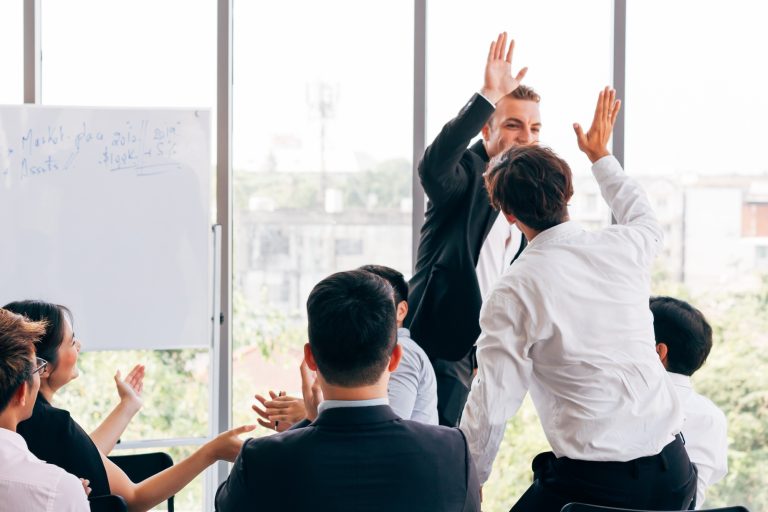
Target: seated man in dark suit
[{"x": 357, "y": 454}]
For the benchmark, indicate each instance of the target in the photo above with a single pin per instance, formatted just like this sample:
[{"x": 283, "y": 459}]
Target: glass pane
[
  {"x": 695, "y": 137},
  {"x": 12, "y": 56},
  {"x": 322, "y": 167},
  {"x": 567, "y": 47}
]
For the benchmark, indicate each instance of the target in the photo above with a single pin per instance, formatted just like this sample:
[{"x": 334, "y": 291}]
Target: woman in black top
[{"x": 53, "y": 436}]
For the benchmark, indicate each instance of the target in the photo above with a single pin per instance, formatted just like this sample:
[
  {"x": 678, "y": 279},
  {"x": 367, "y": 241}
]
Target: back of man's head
[
  {"x": 352, "y": 328},
  {"x": 685, "y": 332},
  {"x": 533, "y": 184},
  {"x": 395, "y": 279},
  {"x": 17, "y": 338}
]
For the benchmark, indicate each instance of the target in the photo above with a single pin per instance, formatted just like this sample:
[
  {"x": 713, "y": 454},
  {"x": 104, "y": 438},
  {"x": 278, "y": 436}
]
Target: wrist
[
  {"x": 131, "y": 404},
  {"x": 491, "y": 95},
  {"x": 207, "y": 453},
  {"x": 594, "y": 156}
]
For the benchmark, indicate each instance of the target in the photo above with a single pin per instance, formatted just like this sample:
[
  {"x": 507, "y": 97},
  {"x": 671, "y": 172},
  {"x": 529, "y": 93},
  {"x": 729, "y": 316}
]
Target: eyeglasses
[{"x": 40, "y": 365}]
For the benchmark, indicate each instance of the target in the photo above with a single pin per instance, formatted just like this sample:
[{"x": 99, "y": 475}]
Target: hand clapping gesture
[
  {"x": 594, "y": 143},
  {"x": 498, "y": 70}
]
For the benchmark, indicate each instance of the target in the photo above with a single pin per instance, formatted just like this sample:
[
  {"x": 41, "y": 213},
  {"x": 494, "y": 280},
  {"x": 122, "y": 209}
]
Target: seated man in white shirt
[
  {"x": 569, "y": 322},
  {"x": 26, "y": 482},
  {"x": 683, "y": 342}
]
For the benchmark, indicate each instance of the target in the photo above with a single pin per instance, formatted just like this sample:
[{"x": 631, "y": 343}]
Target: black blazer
[
  {"x": 444, "y": 298},
  {"x": 354, "y": 459},
  {"x": 53, "y": 436}
]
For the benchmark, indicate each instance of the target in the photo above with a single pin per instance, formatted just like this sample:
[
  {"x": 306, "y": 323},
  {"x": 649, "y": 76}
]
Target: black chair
[
  {"x": 144, "y": 465},
  {"x": 581, "y": 507},
  {"x": 108, "y": 503}
]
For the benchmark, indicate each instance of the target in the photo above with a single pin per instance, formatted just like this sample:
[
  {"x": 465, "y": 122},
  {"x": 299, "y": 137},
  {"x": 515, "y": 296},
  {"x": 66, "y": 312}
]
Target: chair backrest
[
  {"x": 108, "y": 503},
  {"x": 144, "y": 465},
  {"x": 582, "y": 507}
]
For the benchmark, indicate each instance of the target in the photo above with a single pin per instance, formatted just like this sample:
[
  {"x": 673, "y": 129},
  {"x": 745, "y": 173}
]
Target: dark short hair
[
  {"x": 17, "y": 345},
  {"x": 684, "y": 330},
  {"x": 352, "y": 327},
  {"x": 54, "y": 316},
  {"x": 393, "y": 277},
  {"x": 533, "y": 184}
]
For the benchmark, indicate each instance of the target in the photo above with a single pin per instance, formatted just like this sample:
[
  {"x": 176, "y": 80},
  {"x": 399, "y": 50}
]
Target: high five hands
[
  {"x": 594, "y": 143},
  {"x": 498, "y": 70}
]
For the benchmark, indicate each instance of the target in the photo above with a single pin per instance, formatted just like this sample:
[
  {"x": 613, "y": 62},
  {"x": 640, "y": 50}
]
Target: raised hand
[
  {"x": 86, "y": 486},
  {"x": 498, "y": 70},
  {"x": 281, "y": 412},
  {"x": 310, "y": 389},
  {"x": 594, "y": 143},
  {"x": 129, "y": 389}
]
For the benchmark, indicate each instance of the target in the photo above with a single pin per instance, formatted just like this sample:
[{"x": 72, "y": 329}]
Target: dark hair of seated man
[
  {"x": 682, "y": 332},
  {"x": 352, "y": 327}
]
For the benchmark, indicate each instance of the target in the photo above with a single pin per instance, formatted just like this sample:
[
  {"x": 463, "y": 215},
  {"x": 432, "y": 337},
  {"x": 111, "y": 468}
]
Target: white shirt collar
[
  {"x": 335, "y": 404},
  {"x": 678, "y": 379},
  {"x": 9, "y": 436},
  {"x": 555, "y": 232}
]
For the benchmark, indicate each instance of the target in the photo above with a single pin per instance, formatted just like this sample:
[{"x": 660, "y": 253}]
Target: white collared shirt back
[
  {"x": 28, "y": 484},
  {"x": 570, "y": 322}
]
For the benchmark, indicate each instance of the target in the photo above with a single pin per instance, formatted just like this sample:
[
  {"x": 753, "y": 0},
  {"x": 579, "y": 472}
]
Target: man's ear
[
  {"x": 394, "y": 360},
  {"x": 663, "y": 350},
  {"x": 309, "y": 358},
  {"x": 486, "y": 131},
  {"x": 20, "y": 395},
  {"x": 402, "y": 310},
  {"x": 510, "y": 218}
]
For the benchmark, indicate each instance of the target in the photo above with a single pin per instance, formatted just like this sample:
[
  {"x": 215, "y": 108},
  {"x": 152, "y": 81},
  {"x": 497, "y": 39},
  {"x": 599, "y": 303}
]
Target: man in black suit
[
  {"x": 465, "y": 244},
  {"x": 356, "y": 454}
]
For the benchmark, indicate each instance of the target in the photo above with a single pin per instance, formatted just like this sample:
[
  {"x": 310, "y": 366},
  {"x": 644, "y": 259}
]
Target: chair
[
  {"x": 144, "y": 465},
  {"x": 581, "y": 507},
  {"x": 108, "y": 503}
]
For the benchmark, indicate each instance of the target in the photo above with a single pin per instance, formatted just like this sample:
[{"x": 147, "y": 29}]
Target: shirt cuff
[
  {"x": 606, "y": 166},
  {"x": 486, "y": 99}
]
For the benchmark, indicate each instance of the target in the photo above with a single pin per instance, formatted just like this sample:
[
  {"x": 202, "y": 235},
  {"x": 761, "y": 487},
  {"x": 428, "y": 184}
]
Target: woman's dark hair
[
  {"x": 54, "y": 315},
  {"x": 533, "y": 184}
]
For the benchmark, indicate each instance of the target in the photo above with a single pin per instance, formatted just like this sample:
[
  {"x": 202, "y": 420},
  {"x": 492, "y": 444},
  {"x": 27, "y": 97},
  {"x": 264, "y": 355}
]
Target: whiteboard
[{"x": 107, "y": 211}]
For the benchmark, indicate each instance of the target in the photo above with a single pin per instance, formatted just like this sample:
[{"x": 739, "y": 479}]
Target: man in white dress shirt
[
  {"x": 569, "y": 322},
  {"x": 683, "y": 342},
  {"x": 26, "y": 482}
]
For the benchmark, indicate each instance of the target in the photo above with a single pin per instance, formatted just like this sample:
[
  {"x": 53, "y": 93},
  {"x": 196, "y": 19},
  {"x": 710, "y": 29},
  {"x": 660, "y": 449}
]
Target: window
[
  {"x": 702, "y": 95},
  {"x": 322, "y": 167},
  {"x": 12, "y": 56}
]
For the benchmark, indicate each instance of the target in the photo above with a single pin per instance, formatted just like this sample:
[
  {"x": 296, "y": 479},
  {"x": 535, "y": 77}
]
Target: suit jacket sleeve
[
  {"x": 441, "y": 172},
  {"x": 233, "y": 494},
  {"x": 472, "y": 503}
]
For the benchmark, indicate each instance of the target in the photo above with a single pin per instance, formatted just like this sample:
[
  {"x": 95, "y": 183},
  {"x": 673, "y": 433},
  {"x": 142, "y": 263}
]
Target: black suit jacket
[
  {"x": 444, "y": 298},
  {"x": 354, "y": 459}
]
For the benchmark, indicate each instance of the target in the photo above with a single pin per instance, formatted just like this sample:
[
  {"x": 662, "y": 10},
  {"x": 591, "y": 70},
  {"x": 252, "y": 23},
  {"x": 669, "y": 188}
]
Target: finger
[
  {"x": 492, "y": 51},
  {"x": 261, "y": 412},
  {"x": 579, "y": 133},
  {"x": 266, "y": 424},
  {"x": 274, "y": 404},
  {"x": 117, "y": 375},
  {"x": 499, "y": 48},
  {"x": 272, "y": 394},
  {"x": 243, "y": 429},
  {"x": 610, "y": 97},
  {"x": 279, "y": 417},
  {"x": 140, "y": 388},
  {"x": 615, "y": 113},
  {"x": 598, "y": 108},
  {"x": 510, "y": 51},
  {"x": 521, "y": 75},
  {"x": 502, "y": 46},
  {"x": 260, "y": 399}
]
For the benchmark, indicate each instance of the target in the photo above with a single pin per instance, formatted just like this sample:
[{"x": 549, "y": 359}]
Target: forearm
[
  {"x": 161, "y": 486},
  {"x": 626, "y": 198},
  {"x": 107, "y": 434}
]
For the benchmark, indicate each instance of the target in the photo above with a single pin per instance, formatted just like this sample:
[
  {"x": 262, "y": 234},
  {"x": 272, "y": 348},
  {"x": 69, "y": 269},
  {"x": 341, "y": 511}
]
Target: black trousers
[
  {"x": 666, "y": 481},
  {"x": 453, "y": 378}
]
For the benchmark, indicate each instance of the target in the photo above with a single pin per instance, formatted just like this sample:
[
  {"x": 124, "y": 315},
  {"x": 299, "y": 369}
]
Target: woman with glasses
[{"x": 53, "y": 436}]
